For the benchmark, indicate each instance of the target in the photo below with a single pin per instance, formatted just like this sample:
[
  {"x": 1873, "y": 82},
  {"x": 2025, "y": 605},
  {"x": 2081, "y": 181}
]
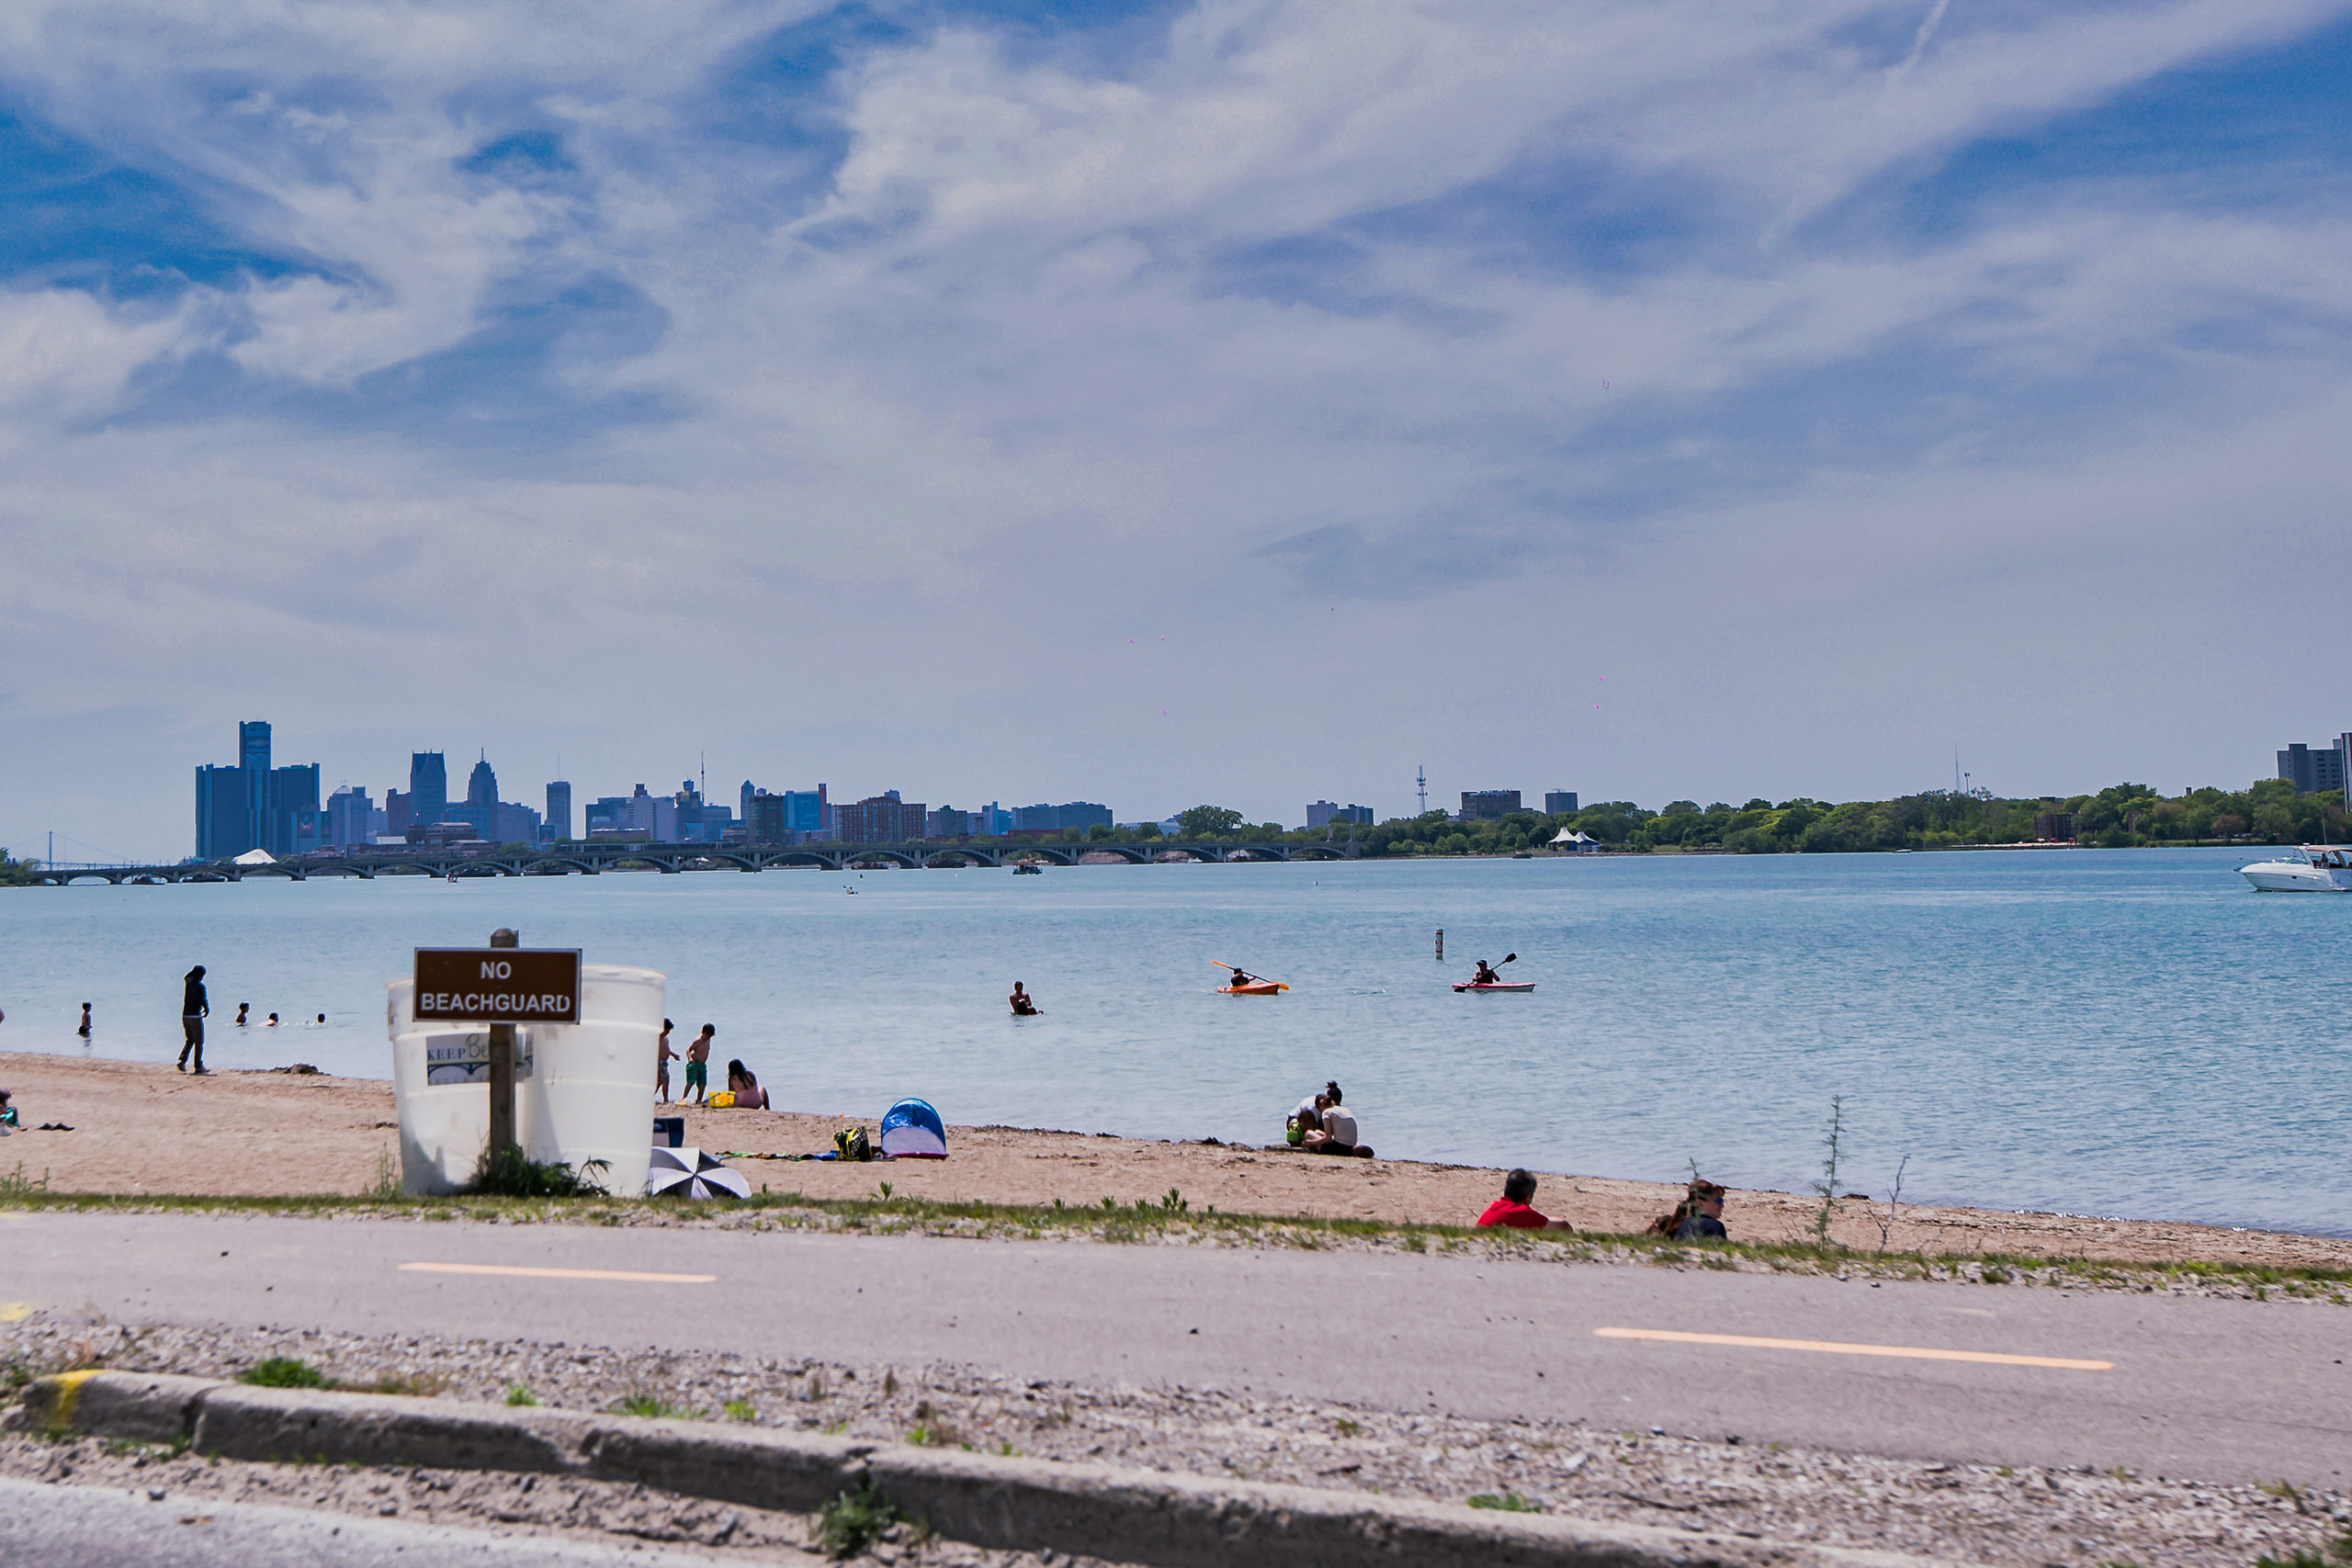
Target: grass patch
[
  {"x": 521, "y": 1397},
  {"x": 741, "y": 1410},
  {"x": 1508, "y": 1502},
  {"x": 283, "y": 1371},
  {"x": 854, "y": 1520},
  {"x": 510, "y": 1173},
  {"x": 2337, "y": 1553},
  {"x": 905, "y": 1214},
  {"x": 652, "y": 1406}
]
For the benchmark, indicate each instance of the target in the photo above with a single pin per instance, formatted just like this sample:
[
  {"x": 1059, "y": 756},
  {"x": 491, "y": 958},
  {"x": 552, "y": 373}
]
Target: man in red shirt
[{"x": 1511, "y": 1209}]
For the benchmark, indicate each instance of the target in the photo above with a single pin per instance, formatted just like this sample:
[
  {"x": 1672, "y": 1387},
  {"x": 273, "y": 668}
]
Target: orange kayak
[{"x": 1254, "y": 989}]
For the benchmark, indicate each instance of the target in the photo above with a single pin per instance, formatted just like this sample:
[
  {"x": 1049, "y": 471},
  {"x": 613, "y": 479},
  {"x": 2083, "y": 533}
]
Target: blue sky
[{"x": 1158, "y": 403}]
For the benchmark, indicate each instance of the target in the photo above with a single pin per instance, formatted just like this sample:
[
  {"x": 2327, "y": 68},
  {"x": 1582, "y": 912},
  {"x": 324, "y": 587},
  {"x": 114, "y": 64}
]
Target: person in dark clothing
[
  {"x": 1699, "y": 1217},
  {"x": 194, "y": 1010}
]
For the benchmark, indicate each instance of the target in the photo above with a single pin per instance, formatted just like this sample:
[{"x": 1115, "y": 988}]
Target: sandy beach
[{"x": 143, "y": 1128}]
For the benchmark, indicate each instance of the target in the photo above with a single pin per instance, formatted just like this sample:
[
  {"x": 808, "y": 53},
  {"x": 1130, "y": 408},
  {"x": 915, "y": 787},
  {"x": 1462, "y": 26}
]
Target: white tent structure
[
  {"x": 1575, "y": 841},
  {"x": 255, "y": 857}
]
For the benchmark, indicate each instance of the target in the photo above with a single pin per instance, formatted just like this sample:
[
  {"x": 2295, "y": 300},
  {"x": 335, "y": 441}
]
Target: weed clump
[
  {"x": 509, "y": 1172},
  {"x": 854, "y": 1521},
  {"x": 283, "y": 1371}
]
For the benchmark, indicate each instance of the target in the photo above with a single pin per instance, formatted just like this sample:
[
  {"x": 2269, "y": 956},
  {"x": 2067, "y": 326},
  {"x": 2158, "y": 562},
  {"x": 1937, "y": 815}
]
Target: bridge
[{"x": 589, "y": 858}]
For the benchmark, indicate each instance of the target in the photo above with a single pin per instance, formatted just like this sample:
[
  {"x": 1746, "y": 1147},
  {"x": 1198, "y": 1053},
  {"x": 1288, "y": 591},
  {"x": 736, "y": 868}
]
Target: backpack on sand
[{"x": 851, "y": 1143}]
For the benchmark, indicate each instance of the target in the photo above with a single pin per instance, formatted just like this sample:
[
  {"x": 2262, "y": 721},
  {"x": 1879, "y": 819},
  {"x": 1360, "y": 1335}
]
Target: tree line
[{"x": 2121, "y": 815}]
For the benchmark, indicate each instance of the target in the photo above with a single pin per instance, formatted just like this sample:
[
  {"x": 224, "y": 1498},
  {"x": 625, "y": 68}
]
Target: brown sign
[{"x": 498, "y": 985}]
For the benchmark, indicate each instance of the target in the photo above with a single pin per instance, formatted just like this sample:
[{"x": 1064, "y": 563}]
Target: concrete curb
[{"x": 1178, "y": 1521}]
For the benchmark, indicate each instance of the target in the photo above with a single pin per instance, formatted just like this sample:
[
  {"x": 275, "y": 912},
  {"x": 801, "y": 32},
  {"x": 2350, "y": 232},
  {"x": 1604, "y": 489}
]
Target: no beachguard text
[{"x": 505, "y": 985}]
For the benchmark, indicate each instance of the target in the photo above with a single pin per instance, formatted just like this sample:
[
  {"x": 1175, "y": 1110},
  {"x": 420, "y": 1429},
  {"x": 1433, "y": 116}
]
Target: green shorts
[{"x": 698, "y": 1075}]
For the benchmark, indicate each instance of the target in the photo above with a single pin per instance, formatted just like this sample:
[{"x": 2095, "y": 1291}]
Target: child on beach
[
  {"x": 9, "y": 1123},
  {"x": 698, "y": 1063},
  {"x": 1512, "y": 1208},
  {"x": 663, "y": 1057}
]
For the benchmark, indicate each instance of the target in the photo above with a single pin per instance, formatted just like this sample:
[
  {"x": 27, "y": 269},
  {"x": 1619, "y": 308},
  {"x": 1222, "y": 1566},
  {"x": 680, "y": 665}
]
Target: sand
[{"x": 143, "y": 1128}]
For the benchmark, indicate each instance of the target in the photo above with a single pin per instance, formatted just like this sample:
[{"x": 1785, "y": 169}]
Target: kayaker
[
  {"x": 1243, "y": 977},
  {"x": 1485, "y": 975},
  {"x": 1023, "y": 1006}
]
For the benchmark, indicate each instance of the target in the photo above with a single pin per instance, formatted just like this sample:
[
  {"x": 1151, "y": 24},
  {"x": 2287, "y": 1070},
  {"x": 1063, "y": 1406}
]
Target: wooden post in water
[{"x": 501, "y": 1067}]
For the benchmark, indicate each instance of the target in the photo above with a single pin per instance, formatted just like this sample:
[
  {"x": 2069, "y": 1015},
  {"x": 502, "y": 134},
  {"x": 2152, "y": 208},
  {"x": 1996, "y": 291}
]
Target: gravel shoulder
[{"x": 1994, "y": 1515}]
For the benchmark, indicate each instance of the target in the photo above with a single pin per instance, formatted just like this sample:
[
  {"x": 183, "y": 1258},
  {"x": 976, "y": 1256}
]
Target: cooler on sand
[
  {"x": 912, "y": 1130},
  {"x": 582, "y": 1091}
]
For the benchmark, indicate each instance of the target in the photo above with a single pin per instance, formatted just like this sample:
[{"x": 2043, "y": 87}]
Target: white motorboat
[{"x": 2321, "y": 868}]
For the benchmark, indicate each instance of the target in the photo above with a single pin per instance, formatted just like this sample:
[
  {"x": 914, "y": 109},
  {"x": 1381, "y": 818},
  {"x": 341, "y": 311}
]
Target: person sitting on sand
[
  {"x": 1024, "y": 1005},
  {"x": 1485, "y": 975},
  {"x": 1699, "y": 1217},
  {"x": 9, "y": 1123},
  {"x": 663, "y": 1057},
  {"x": 1335, "y": 1127},
  {"x": 698, "y": 1063},
  {"x": 1512, "y": 1208},
  {"x": 745, "y": 1087}
]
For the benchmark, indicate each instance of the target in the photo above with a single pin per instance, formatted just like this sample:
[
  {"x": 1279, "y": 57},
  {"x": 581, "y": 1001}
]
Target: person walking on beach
[
  {"x": 194, "y": 1010},
  {"x": 698, "y": 1063},
  {"x": 663, "y": 1057}
]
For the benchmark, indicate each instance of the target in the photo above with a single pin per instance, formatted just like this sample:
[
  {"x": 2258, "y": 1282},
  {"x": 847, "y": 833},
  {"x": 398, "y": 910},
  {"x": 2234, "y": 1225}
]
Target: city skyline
[{"x": 1273, "y": 400}]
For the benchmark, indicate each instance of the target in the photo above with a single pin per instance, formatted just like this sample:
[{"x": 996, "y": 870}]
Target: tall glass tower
[{"x": 428, "y": 788}]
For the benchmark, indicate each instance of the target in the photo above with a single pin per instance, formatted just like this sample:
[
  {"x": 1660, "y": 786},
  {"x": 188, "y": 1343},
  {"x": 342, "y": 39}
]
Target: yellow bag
[{"x": 722, "y": 1100}]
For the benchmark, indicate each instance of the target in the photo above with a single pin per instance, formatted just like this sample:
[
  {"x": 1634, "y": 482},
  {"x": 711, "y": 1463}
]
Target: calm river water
[{"x": 2128, "y": 1032}]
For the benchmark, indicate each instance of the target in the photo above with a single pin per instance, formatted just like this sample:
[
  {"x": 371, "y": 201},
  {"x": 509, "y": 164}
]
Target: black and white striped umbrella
[{"x": 690, "y": 1173}]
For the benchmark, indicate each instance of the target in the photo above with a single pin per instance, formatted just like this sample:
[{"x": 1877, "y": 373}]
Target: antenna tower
[{"x": 1421, "y": 783}]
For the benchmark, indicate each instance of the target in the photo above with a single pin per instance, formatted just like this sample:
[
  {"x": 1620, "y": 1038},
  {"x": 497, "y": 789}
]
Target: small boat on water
[
  {"x": 1027, "y": 868},
  {"x": 1253, "y": 989},
  {"x": 1495, "y": 986},
  {"x": 2321, "y": 868}
]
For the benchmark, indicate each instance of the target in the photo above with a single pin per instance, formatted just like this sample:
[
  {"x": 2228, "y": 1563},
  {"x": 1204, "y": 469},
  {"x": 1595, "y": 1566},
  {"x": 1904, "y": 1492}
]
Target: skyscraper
[
  {"x": 558, "y": 818},
  {"x": 428, "y": 788},
  {"x": 252, "y": 745},
  {"x": 255, "y": 806}
]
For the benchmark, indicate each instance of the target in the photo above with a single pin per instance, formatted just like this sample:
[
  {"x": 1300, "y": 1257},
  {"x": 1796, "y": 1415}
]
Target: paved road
[
  {"x": 94, "y": 1527},
  {"x": 2214, "y": 1389}
]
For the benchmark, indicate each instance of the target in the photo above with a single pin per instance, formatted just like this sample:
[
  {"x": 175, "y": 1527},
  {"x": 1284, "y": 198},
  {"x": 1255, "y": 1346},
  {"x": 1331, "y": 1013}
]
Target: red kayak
[
  {"x": 1254, "y": 989},
  {"x": 1495, "y": 986}
]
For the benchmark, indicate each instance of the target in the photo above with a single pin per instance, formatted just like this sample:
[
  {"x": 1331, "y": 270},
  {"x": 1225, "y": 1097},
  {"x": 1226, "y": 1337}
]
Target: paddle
[{"x": 1221, "y": 963}]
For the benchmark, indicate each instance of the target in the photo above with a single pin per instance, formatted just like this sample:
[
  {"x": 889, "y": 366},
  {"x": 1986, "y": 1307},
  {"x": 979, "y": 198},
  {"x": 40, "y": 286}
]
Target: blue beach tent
[{"x": 912, "y": 1130}]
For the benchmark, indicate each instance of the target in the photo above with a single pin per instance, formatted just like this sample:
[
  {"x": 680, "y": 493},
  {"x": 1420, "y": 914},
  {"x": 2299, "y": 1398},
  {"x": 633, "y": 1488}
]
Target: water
[{"x": 2128, "y": 1032}]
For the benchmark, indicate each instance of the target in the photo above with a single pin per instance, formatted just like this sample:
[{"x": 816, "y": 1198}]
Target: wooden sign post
[{"x": 502, "y": 986}]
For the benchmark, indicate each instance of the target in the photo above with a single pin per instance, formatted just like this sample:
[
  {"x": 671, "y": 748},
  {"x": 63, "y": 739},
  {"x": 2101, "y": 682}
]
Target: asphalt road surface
[
  {"x": 2211, "y": 1390},
  {"x": 99, "y": 1527}
]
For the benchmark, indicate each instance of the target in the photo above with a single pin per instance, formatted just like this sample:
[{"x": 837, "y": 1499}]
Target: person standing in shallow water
[
  {"x": 194, "y": 1009},
  {"x": 84, "y": 1031}
]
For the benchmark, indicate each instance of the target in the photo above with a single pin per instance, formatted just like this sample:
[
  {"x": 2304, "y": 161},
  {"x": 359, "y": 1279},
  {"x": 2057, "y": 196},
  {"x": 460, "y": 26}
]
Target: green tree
[{"x": 1208, "y": 821}]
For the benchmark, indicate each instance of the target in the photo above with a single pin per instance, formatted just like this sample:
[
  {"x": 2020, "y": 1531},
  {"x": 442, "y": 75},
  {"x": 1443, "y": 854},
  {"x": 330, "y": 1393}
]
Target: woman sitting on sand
[
  {"x": 1699, "y": 1217},
  {"x": 749, "y": 1095},
  {"x": 1335, "y": 1131}
]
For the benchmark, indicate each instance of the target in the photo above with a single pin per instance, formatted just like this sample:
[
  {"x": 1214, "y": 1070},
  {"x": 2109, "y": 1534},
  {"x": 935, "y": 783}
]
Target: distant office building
[
  {"x": 254, "y": 806},
  {"x": 743, "y": 801},
  {"x": 558, "y": 817},
  {"x": 2309, "y": 770},
  {"x": 792, "y": 817},
  {"x": 1555, "y": 801},
  {"x": 2055, "y": 825},
  {"x": 1038, "y": 818},
  {"x": 428, "y": 788},
  {"x": 351, "y": 816},
  {"x": 946, "y": 822},
  {"x": 607, "y": 813},
  {"x": 1323, "y": 813},
  {"x": 397, "y": 814},
  {"x": 1488, "y": 805},
  {"x": 513, "y": 824},
  {"x": 879, "y": 819},
  {"x": 481, "y": 804},
  {"x": 1083, "y": 814}
]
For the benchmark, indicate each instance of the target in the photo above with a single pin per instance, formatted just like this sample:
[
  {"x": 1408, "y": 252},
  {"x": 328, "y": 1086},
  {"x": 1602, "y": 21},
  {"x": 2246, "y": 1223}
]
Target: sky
[{"x": 1241, "y": 401}]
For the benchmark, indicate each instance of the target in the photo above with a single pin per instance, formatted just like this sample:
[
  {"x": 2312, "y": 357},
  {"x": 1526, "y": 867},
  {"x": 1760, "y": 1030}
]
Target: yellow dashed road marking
[
  {"x": 1832, "y": 1348},
  {"x": 516, "y": 1272}
]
